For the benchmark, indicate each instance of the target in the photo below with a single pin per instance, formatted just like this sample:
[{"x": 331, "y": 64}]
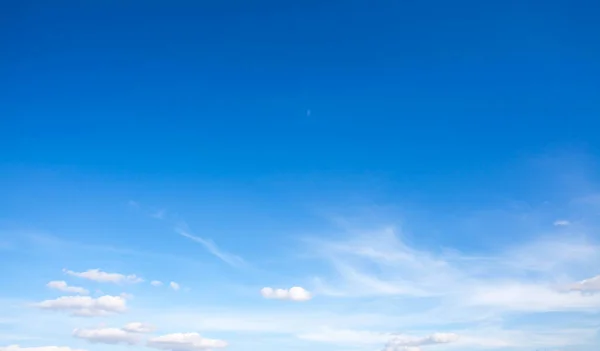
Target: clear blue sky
[{"x": 233, "y": 145}]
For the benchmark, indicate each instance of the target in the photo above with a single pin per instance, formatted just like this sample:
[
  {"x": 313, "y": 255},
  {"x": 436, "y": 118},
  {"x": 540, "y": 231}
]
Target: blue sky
[{"x": 315, "y": 175}]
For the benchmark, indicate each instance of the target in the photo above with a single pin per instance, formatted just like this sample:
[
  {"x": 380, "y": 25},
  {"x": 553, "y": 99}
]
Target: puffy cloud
[
  {"x": 85, "y": 306},
  {"x": 156, "y": 283},
  {"x": 104, "y": 277},
  {"x": 588, "y": 285},
  {"x": 185, "y": 342},
  {"x": 174, "y": 286},
  {"x": 294, "y": 294},
  {"x": 410, "y": 343},
  {"x": 37, "y": 348},
  {"x": 138, "y": 327},
  {"x": 106, "y": 336},
  {"x": 63, "y": 286}
]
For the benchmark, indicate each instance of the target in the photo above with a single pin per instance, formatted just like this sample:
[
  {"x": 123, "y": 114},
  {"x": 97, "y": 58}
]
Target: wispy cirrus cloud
[
  {"x": 210, "y": 246},
  {"x": 182, "y": 229},
  {"x": 379, "y": 263}
]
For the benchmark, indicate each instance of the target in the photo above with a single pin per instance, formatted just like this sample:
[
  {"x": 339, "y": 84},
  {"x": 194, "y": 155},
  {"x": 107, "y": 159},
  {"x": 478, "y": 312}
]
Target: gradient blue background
[{"x": 432, "y": 109}]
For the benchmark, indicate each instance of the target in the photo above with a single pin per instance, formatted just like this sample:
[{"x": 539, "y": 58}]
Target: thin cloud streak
[
  {"x": 182, "y": 229},
  {"x": 210, "y": 246}
]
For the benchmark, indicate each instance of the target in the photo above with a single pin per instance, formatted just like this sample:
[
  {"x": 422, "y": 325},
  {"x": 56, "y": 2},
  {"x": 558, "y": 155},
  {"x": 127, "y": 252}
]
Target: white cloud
[
  {"x": 85, "y": 306},
  {"x": 106, "y": 336},
  {"x": 104, "y": 277},
  {"x": 174, "y": 286},
  {"x": 37, "y": 348},
  {"x": 63, "y": 286},
  {"x": 185, "y": 342},
  {"x": 138, "y": 327},
  {"x": 228, "y": 258},
  {"x": 588, "y": 285},
  {"x": 380, "y": 264},
  {"x": 410, "y": 343},
  {"x": 156, "y": 283},
  {"x": 294, "y": 294},
  {"x": 561, "y": 223}
]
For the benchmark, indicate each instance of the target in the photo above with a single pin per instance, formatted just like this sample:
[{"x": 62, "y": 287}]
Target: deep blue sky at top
[{"x": 413, "y": 90}]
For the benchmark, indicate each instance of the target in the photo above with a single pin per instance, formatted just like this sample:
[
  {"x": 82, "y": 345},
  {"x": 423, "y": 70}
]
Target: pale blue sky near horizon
[{"x": 427, "y": 172}]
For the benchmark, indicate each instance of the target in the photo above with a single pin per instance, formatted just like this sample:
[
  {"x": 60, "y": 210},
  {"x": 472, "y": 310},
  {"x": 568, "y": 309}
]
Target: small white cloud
[
  {"x": 106, "y": 336},
  {"x": 588, "y": 285},
  {"x": 104, "y": 277},
  {"x": 37, "y": 348},
  {"x": 411, "y": 343},
  {"x": 63, "y": 286},
  {"x": 174, "y": 286},
  {"x": 185, "y": 342},
  {"x": 85, "y": 306},
  {"x": 156, "y": 283},
  {"x": 294, "y": 294},
  {"x": 561, "y": 223},
  {"x": 138, "y": 327}
]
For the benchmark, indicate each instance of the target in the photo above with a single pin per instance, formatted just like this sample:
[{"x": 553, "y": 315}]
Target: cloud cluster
[
  {"x": 104, "y": 277},
  {"x": 185, "y": 342},
  {"x": 86, "y": 306},
  {"x": 63, "y": 286},
  {"x": 293, "y": 294}
]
